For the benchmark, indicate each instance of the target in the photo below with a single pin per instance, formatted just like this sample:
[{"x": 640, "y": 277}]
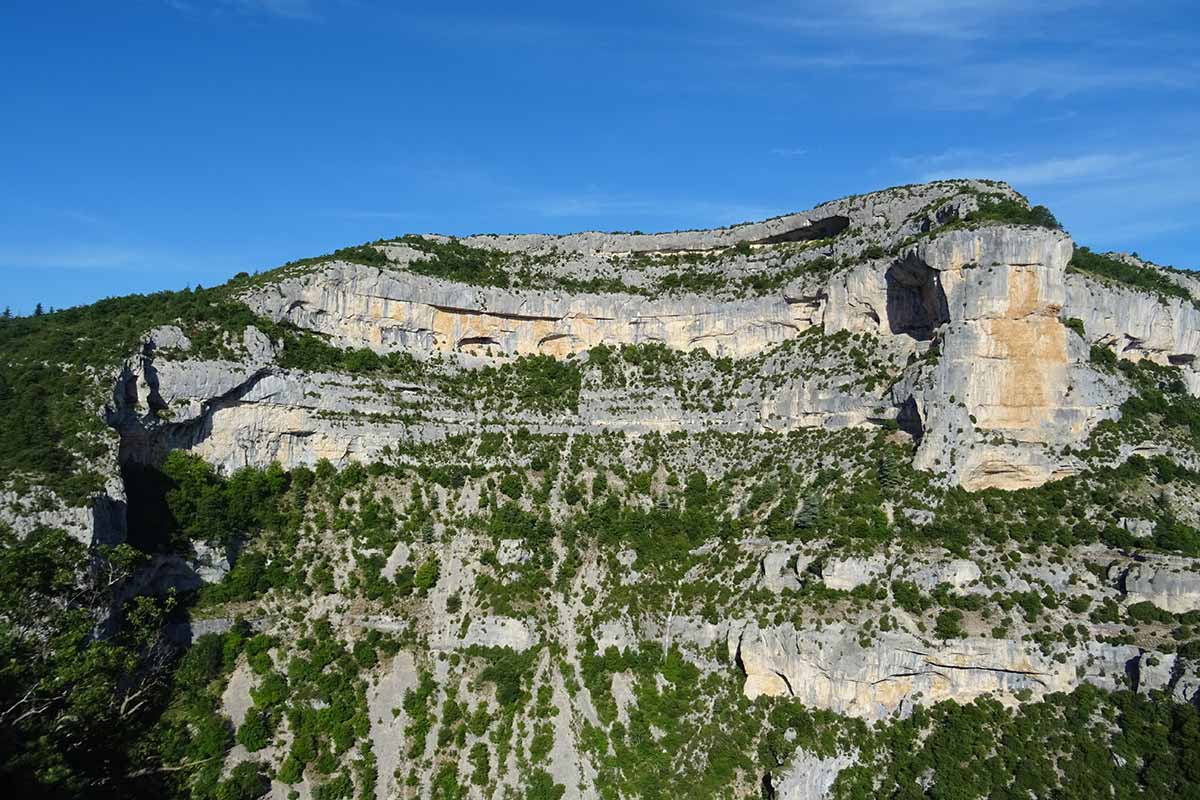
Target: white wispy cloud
[
  {"x": 985, "y": 83},
  {"x": 832, "y": 61},
  {"x": 938, "y": 19},
  {"x": 788, "y": 152},
  {"x": 1143, "y": 229},
  {"x": 69, "y": 257},
  {"x": 971, "y": 54},
  {"x": 950, "y": 81},
  {"x": 1165, "y": 166},
  {"x": 301, "y": 10},
  {"x": 288, "y": 9},
  {"x": 1034, "y": 173},
  {"x": 82, "y": 217}
]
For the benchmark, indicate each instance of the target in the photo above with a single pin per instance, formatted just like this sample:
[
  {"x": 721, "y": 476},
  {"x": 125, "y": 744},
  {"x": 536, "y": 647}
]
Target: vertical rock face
[
  {"x": 1005, "y": 348},
  {"x": 387, "y": 311},
  {"x": 809, "y": 777},
  {"x": 1011, "y": 378},
  {"x": 1136, "y": 325},
  {"x": 1172, "y": 584}
]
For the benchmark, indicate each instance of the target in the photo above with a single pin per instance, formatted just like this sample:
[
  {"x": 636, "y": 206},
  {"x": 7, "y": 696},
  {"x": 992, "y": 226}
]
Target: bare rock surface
[
  {"x": 809, "y": 777},
  {"x": 829, "y": 668},
  {"x": 1172, "y": 584}
]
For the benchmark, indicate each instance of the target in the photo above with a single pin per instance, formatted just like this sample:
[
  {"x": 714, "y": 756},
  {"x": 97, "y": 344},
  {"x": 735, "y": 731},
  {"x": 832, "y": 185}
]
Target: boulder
[
  {"x": 1141, "y": 528},
  {"x": 849, "y": 573}
]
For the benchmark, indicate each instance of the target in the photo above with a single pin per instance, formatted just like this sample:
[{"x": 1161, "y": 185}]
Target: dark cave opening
[
  {"x": 821, "y": 229},
  {"x": 916, "y": 302},
  {"x": 150, "y": 526},
  {"x": 909, "y": 419}
]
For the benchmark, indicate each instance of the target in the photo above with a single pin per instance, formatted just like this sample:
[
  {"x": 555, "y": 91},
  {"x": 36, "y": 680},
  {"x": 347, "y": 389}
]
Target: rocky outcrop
[
  {"x": 958, "y": 574},
  {"x": 1010, "y": 380},
  {"x": 831, "y": 668},
  {"x": 487, "y": 631},
  {"x": 847, "y": 574},
  {"x": 1136, "y": 324},
  {"x": 809, "y": 777},
  {"x": 388, "y": 310},
  {"x": 883, "y": 216},
  {"x": 780, "y": 568},
  {"x": 100, "y": 520},
  {"x": 1172, "y": 584},
  {"x": 1003, "y": 384}
]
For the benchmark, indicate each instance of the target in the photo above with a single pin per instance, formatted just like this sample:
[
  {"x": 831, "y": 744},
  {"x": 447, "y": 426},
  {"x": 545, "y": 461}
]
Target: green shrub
[
  {"x": 256, "y": 730},
  {"x": 1076, "y": 324},
  {"x": 909, "y": 597},
  {"x": 247, "y": 781},
  {"x": 949, "y": 625},
  {"x": 1146, "y": 611},
  {"x": 427, "y": 574}
]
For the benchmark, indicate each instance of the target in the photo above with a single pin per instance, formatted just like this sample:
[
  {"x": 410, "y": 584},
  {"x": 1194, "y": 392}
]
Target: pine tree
[
  {"x": 888, "y": 472},
  {"x": 37, "y": 310},
  {"x": 809, "y": 511},
  {"x": 7, "y": 313}
]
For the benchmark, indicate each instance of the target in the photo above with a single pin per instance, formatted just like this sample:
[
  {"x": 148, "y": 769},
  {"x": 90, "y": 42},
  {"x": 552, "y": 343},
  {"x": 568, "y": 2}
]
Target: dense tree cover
[
  {"x": 186, "y": 500},
  {"x": 57, "y": 370},
  {"x": 1145, "y": 278},
  {"x": 1161, "y": 407},
  {"x": 509, "y": 671},
  {"x": 661, "y": 534},
  {"x": 1004, "y": 209},
  {"x": 1074, "y": 746},
  {"x": 309, "y": 352},
  {"x": 91, "y": 698},
  {"x": 73, "y": 705},
  {"x": 452, "y": 260},
  {"x": 693, "y": 728},
  {"x": 1052, "y": 514}
]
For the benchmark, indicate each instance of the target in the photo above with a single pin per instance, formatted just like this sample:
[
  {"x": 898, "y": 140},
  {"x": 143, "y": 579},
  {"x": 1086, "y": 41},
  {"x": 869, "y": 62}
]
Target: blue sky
[{"x": 150, "y": 144}]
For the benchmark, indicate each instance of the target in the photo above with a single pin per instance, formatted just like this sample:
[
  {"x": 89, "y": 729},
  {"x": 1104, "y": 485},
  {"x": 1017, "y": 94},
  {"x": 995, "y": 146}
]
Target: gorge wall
[
  {"x": 706, "y": 510},
  {"x": 967, "y": 327}
]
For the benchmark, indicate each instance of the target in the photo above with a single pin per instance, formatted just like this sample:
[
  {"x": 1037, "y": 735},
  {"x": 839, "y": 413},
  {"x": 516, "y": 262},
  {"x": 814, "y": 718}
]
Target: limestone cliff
[
  {"x": 966, "y": 348},
  {"x": 966, "y": 324},
  {"x": 1011, "y": 381},
  {"x": 701, "y": 513}
]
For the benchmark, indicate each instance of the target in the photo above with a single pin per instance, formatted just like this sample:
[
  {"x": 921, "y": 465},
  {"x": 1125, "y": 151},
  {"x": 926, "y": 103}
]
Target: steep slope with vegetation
[{"x": 726, "y": 514}]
